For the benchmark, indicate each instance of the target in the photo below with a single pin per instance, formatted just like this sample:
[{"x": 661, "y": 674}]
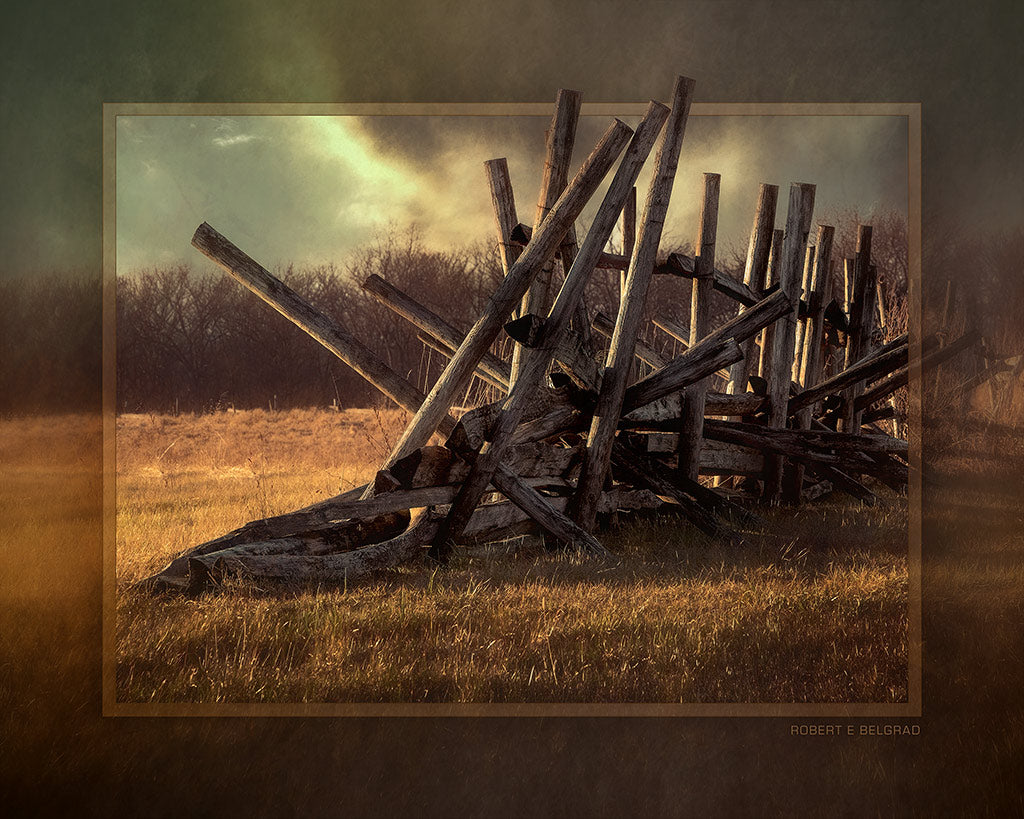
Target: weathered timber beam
[
  {"x": 798, "y": 222},
  {"x": 901, "y": 376},
  {"x": 299, "y": 569},
  {"x": 693, "y": 397},
  {"x": 743, "y": 326},
  {"x": 874, "y": 366},
  {"x": 754, "y": 271},
  {"x": 641, "y": 268},
  {"x": 287, "y": 302},
  {"x": 810, "y": 440},
  {"x": 554, "y": 328},
  {"x": 561, "y": 135},
  {"x": 428, "y": 321},
  {"x": 508, "y": 294}
]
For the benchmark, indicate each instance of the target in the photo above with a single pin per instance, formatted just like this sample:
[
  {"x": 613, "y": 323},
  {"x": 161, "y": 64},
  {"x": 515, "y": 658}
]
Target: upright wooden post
[
  {"x": 560, "y": 138},
  {"x": 692, "y": 416},
  {"x": 628, "y": 236},
  {"x": 818, "y": 292},
  {"x": 504, "y": 204},
  {"x": 772, "y": 275},
  {"x": 754, "y": 273},
  {"x": 861, "y": 310},
  {"x": 801, "y": 325},
  {"x": 627, "y": 324},
  {"x": 798, "y": 217},
  {"x": 504, "y": 299},
  {"x": 534, "y": 369}
]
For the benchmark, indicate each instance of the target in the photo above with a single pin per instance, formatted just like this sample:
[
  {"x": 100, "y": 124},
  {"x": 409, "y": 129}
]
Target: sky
[{"x": 311, "y": 189}]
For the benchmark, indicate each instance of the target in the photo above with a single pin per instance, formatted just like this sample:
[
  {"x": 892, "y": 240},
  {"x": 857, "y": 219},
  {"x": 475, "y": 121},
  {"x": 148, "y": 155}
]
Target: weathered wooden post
[
  {"x": 534, "y": 369},
  {"x": 340, "y": 342},
  {"x": 512, "y": 288},
  {"x": 627, "y": 324},
  {"x": 861, "y": 320},
  {"x": 818, "y": 292},
  {"x": 771, "y": 277},
  {"x": 692, "y": 416},
  {"x": 801, "y": 325},
  {"x": 754, "y": 273},
  {"x": 560, "y": 138},
  {"x": 798, "y": 217},
  {"x": 504, "y": 205}
]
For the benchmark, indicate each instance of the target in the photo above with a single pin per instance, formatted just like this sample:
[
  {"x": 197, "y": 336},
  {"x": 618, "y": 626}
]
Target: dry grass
[
  {"x": 59, "y": 756},
  {"x": 812, "y": 610}
]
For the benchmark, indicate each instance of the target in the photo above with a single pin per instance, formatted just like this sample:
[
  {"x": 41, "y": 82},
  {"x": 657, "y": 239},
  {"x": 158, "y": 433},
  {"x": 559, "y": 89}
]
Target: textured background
[{"x": 58, "y": 64}]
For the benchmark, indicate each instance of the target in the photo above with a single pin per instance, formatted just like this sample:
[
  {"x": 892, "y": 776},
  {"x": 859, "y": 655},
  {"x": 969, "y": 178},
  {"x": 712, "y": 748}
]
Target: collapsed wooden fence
[{"x": 577, "y": 436}]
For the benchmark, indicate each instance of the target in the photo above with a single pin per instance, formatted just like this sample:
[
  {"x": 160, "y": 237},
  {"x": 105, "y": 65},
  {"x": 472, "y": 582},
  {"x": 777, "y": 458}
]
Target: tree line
[{"x": 193, "y": 340}]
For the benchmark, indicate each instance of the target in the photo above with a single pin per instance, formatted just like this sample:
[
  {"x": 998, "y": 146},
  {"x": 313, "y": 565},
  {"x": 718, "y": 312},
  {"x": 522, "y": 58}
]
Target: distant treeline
[{"x": 194, "y": 340}]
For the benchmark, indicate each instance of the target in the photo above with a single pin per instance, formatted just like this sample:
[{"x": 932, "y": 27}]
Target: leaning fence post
[
  {"x": 561, "y": 136},
  {"x": 627, "y": 324},
  {"x": 692, "y": 415},
  {"x": 511, "y": 289}
]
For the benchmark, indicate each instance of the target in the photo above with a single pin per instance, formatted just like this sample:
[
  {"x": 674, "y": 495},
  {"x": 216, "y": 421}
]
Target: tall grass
[{"x": 814, "y": 609}]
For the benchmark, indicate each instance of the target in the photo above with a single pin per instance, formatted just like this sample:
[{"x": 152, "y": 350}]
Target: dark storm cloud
[{"x": 311, "y": 189}]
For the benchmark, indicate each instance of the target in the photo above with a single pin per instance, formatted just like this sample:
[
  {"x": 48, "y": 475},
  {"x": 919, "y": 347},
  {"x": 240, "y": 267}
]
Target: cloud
[{"x": 237, "y": 139}]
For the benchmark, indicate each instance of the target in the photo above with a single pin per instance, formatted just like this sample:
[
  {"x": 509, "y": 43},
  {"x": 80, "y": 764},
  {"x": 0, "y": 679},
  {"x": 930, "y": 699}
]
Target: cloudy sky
[{"x": 291, "y": 189}]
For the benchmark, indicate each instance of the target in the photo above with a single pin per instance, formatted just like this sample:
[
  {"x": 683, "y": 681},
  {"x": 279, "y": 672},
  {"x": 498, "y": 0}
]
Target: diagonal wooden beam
[
  {"x": 553, "y": 329},
  {"x": 641, "y": 269},
  {"x": 504, "y": 299}
]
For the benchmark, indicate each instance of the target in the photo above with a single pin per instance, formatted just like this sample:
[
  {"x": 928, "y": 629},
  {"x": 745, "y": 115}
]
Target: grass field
[
  {"x": 59, "y": 756},
  {"x": 813, "y": 609}
]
